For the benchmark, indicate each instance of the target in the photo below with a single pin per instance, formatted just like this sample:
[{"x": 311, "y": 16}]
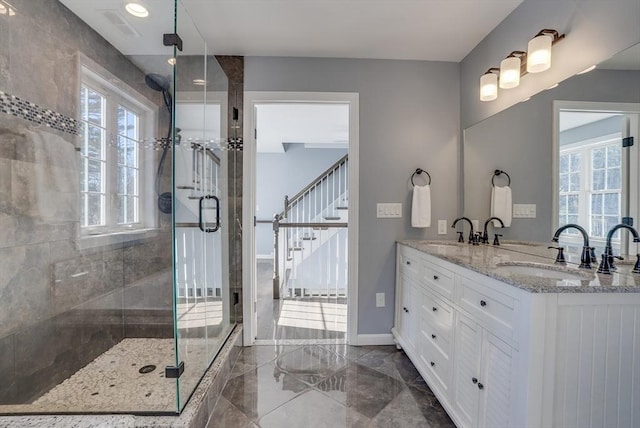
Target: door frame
[{"x": 249, "y": 299}]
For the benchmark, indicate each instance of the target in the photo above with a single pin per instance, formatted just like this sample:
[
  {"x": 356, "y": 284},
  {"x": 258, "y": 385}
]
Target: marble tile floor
[{"x": 326, "y": 386}]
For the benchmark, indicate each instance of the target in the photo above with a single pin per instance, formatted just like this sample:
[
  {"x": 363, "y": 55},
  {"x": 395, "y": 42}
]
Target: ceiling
[{"x": 434, "y": 30}]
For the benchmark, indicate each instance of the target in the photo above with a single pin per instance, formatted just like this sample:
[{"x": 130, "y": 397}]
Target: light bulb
[
  {"x": 539, "y": 53},
  {"x": 137, "y": 9},
  {"x": 488, "y": 87},
  {"x": 510, "y": 72}
]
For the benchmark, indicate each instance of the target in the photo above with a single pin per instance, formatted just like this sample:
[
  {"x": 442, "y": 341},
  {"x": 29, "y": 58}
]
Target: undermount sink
[{"x": 542, "y": 271}]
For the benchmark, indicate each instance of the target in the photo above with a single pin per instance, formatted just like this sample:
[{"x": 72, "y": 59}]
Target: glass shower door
[{"x": 202, "y": 307}]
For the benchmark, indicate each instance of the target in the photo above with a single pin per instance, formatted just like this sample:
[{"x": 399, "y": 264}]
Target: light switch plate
[
  {"x": 524, "y": 210},
  {"x": 442, "y": 227},
  {"x": 387, "y": 210},
  {"x": 379, "y": 300}
]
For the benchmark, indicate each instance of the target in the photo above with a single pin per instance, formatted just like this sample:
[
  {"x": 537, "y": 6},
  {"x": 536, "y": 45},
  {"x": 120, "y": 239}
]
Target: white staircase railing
[{"x": 310, "y": 238}]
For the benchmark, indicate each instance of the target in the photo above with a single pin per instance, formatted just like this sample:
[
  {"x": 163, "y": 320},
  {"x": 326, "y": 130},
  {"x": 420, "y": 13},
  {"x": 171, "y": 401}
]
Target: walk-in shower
[{"x": 114, "y": 266}]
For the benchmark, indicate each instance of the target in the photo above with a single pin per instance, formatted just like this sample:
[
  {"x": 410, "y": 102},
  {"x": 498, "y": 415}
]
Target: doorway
[{"x": 300, "y": 198}]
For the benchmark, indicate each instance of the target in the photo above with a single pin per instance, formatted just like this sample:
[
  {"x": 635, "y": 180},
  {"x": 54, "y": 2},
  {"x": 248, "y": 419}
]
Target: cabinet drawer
[
  {"x": 436, "y": 364},
  {"x": 491, "y": 307},
  {"x": 410, "y": 263},
  {"x": 438, "y": 279},
  {"x": 438, "y": 337},
  {"x": 437, "y": 313}
]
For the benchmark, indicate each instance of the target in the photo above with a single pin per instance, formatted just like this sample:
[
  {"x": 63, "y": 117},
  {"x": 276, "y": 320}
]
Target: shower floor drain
[{"x": 147, "y": 369}]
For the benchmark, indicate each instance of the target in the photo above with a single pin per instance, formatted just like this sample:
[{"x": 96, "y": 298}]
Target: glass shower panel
[{"x": 202, "y": 320}]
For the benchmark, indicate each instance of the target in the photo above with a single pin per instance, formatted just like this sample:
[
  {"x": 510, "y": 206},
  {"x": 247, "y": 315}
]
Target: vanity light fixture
[
  {"x": 518, "y": 63},
  {"x": 137, "y": 10},
  {"x": 586, "y": 70},
  {"x": 510, "y": 70},
  {"x": 539, "y": 50},
  {"x": 489, "y": 85}
]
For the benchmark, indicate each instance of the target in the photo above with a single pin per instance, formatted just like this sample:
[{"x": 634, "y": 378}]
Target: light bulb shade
[
  {"x": 539, "y": 53},
  {"x": 510, "y": 72},
  {"x": 488, "y": 87}
]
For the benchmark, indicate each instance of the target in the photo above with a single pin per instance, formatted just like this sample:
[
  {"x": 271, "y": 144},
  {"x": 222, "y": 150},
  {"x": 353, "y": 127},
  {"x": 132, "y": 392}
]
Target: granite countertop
[{"x": 501, "y": 262}]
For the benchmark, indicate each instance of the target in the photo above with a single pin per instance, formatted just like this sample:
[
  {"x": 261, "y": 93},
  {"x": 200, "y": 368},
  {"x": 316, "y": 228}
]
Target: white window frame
[
  {"x": 118, "y": 93},
  {"x": 585, "y": 148}
]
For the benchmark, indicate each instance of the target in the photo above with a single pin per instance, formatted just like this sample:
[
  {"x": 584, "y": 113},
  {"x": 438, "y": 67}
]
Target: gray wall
[
  {"x": 519, "y": 141},
  {"x": 280, "y": 174},
  {"x": 409, "y": 118},
  {"x": 52, "y": 322},
  {"x": 595, "y": 30}
]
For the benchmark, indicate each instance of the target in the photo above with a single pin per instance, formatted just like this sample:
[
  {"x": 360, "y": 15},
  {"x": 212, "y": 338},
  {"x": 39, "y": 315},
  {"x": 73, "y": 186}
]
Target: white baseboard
[{"x": 374, "y": 339}]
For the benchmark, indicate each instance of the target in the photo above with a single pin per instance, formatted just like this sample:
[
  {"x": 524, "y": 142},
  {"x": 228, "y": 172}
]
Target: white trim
[
  {"x": 374, "y": 339},
  {"x": 251, "y": 98}
]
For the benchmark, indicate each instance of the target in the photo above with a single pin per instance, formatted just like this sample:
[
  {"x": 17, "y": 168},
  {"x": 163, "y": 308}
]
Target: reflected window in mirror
[{"x": 593, "y": 174}]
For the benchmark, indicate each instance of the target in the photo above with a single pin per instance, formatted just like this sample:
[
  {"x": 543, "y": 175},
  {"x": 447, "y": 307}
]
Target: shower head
[{"x": 157, "y": 82}]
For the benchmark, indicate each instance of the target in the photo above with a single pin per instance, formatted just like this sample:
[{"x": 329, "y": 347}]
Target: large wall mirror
[{"x": 563, "y": 152}]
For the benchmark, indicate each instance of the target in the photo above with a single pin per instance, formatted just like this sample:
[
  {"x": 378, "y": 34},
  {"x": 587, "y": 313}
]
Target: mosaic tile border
[{"x": 24, "y": 109}]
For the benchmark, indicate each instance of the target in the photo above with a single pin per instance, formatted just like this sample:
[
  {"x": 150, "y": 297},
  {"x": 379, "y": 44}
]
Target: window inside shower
[{"x": 116, "y": 123}]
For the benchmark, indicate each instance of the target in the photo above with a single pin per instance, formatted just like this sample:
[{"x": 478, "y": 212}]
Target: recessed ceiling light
[
  {"x": 171, "y": 61},
  {"x": 586, "y": 70},
  {"x": 199, "y": 82},
  {"x": 137, "y": 9}
]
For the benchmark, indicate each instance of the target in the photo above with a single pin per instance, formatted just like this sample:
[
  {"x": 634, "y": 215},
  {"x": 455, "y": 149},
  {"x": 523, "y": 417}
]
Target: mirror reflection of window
[{"x": 591, "y": 171}]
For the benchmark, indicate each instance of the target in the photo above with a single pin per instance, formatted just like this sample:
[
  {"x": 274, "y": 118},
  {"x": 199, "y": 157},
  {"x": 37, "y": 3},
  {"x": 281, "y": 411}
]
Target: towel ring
[
  {"x": 418, "y": 172},
  {"x": 498, "y": 172}
]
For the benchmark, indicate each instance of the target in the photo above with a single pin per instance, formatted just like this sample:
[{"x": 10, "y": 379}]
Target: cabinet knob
[
  {"x": 434, "y": 309},
  {"x": 433, "y": 336},
  {"x": 433, "y": 364},
  {"x": 408, "y": 262},
  {"x": 480, "y": 386},
  {"x": 405, "y": 309},
  {"x": 483, "y": 303},
  {"x": 435, "y": 277},
  {"x": 474, "y": 380}
]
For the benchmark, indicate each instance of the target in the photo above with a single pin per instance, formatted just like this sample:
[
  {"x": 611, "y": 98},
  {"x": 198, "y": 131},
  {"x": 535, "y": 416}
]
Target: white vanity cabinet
[{"x": 497, "y": 355}]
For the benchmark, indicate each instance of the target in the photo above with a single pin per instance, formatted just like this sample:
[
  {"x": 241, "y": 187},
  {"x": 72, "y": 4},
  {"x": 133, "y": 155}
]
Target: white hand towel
[
  {"x": 501, "y": 205},
  {"x": 421, "y": 206}
]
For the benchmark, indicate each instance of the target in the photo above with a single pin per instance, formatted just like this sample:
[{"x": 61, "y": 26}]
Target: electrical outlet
[
  {"x": 379, "y": 300},
  {"x": 442, "y": 227}
]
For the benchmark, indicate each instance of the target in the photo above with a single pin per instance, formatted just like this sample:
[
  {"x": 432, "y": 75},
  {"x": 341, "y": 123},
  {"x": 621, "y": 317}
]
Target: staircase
[{"x": 311, "y": 249}]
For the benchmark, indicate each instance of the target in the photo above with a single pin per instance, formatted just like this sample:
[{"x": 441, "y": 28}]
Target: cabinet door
[
  {"x": 407, "y": 310},
  {"x": 468, "y": 342},
  {"x": 410, "y": 319},
  {"x": 497, "y": 394}
]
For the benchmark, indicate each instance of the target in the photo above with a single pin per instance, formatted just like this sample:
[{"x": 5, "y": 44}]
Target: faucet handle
[
  {"x": 460, "y": 237},
  {"x": 495, "y": 239},
  {"x": 560, "y": 260},
  {"x": 636, "y": 268},
  {"x": 592, "y": 254}
]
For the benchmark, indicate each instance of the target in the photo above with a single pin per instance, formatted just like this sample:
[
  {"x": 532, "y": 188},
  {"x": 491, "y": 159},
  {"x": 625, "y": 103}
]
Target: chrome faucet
[
  {"x": 471, "y": 235},
  {"x": 607, "y": 258},
  {"x": 485, "y": 235},
  {"x": 585, "y": 257}
]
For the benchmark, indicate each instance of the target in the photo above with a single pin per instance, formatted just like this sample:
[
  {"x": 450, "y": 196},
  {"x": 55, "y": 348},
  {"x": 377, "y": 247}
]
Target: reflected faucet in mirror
[
  {"x": 606, "y": 265},
  {"x": 485, "y": 235},
  {"x": 471, "y": 235},
  {"x": 586, "y": 257}
]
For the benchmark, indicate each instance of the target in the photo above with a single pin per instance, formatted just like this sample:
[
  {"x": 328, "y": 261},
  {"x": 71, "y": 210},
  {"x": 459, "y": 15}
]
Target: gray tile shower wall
[{"x": 61, "y": 306}]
